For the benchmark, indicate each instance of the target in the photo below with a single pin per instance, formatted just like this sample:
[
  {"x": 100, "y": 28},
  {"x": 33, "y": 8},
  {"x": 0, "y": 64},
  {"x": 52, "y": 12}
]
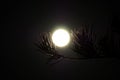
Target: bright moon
[{"x": 60, "y": 37}]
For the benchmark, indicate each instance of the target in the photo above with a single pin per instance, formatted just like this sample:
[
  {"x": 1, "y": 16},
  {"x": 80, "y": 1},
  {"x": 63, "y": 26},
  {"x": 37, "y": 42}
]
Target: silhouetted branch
[
  {"x": 84, "y": 42},
  {"x": 46, "y": 46}
]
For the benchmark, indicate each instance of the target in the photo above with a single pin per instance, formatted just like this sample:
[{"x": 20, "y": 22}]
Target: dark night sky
[{"x": 25, "y": 20}]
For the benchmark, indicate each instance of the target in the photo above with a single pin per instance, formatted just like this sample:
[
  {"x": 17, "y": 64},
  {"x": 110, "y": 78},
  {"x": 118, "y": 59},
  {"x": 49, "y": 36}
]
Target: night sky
[{"x": 24, "y": 21}]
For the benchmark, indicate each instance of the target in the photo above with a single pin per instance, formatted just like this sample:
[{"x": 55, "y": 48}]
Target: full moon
[{"x": 60, "y": 37}]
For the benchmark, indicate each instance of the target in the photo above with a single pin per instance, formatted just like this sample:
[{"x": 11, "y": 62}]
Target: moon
[{"x": 61, "y": 37}]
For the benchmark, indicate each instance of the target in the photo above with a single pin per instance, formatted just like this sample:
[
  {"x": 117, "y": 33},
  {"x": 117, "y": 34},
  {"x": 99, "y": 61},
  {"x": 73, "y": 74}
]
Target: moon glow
[{"x": 60, "y": 37}]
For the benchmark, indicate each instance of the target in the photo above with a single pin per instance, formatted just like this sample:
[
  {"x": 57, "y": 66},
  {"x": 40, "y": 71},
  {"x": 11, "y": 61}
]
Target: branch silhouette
[{"x": 83, "y": 43}]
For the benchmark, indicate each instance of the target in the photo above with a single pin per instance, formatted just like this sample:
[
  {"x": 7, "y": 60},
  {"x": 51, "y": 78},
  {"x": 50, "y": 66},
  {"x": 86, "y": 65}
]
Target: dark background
[{"x": 22, "y": 21}]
